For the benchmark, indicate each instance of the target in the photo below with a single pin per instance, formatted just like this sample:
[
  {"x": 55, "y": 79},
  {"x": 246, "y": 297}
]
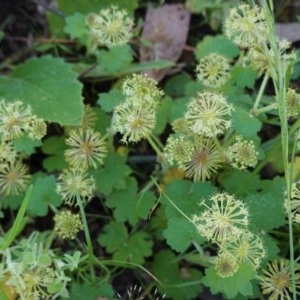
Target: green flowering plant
[{"x": 117, "y": 184}]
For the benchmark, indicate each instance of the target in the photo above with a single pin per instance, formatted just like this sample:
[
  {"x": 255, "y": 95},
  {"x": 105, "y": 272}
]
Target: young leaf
[
  {"x": 266, "y": 210},
  {"x": 128, "y": 204},
  {"x": 26, "y": 144},
  {"x": 240, "y": 282},
  {"x": 243, "y": 76},
  {"x": 177, "y": 283},
  {"x": 90, "y": 292},
  {"x": 244, "y": 124},
  {"x": 55, "y": 147},
  {"x": 180, "y": 233},
  {"x": 43, "y": 194},
  {"x": 216, "y": 44},
  {"x": 75, "y": 26},
  {"x": 109, "y": 100},
  {"x": 162, "y": 116},
  {"x": 115, "y": 59},
  {"x": 240, "y": 183},
  {"x": 113, "y": 175},
  {"x": 184, "y": 196},
  {"x": 133, "y": 248}
]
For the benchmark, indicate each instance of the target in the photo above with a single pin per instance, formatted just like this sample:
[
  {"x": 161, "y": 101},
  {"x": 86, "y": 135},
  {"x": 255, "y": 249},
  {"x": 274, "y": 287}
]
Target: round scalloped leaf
[{"x": 49, "y": 86}]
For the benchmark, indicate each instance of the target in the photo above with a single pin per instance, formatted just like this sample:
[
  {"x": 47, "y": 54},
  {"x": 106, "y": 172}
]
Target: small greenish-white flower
[
  {"x": 247, "y": 248},
  {"x": 179, "y": 150},
  {"x": 75, "y": 183},
  {"x": 213, "y": 70},
  {"x": 226, "y": 264},
  {"x": 204, "y": 160},
  {"x": 294, "y": 205},
  {"x": 111, "y": 27},
  {"x": 180, "y": 125},
  {"x": 37, "y": 128},
  {"x": 258, "y": 59},
  {"x": 14, "y": 119},
  {"x": 14, "y": 178},
  {"x": 67, "y": 224},
  {"x": 7, "y": 152},
  {"x": 89, "y": 118},
  {"x": 208, "y": 114},
  {"x": 141, "y": 89},
  {"x": 197, "y": 157},
  {"x": 87, "y": 148},
  {"x": 292, "y": 101},
  {"x": 133, "y": 122},
  {"x": 243, "y": 154},
  {"x": 246, "y": 26},
  {"x": 276, "y": 280},
  {"x": 225, "y": 218}
]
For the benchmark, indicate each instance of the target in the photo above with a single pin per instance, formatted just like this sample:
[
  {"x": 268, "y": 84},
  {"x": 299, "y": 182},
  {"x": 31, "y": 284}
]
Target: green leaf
[
  {"x": 240, "y": 183},
  {"x": 178, "y": 108},
  {"x": 216, "y": 44},
  {"x": 266, "y": 211},
  {"x": 90, "y": 292},
  {"x": 186, "y": 196},
  {"x": 50, "y": 86},
  {"x": 243, "y": 76},
  {"x": 43, "y": 195},
  {"x": 19, "y": 222},
  {"x": 114, "y": 59},
  {"x": 270, "y": 245},
  {"x": 109, "y": 100},
  {"x": 162, "y": 115},
  {"x": 179, "y": 234},
  {"x": 55, "y": 147},
  {"x": 113, "y": 175},
  {"x": 132, "y": 68},
  {"x": 244, "y": 124},
  {"x": 240, "y": 282},
  {"x": 133, "y": 248},
  {"x": 26, "y": 144},
  {"x": 175, "y": 86},
  {"x": 103, "y": 120},
  {"x": 128, "y": 204},
  {"x": 75, "y": 26},
  {"x": 197, "y": 6},
  {"x": 176, "y": 284},
  {"x": 114, "y": 234}
]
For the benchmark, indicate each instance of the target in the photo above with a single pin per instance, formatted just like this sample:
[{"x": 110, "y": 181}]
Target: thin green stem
[
  {"x": 154, "y": 146},
  {"x": 87, "y": 234},
  {"x": 279, "y": 79},
  {"x": 263, "y": 109},
  {"x": 260, "y": 92}
]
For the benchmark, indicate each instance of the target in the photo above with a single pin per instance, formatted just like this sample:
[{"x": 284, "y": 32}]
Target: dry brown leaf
[
  {"x": 288, "y": 31},
  {"x": 166, "y": 29}
]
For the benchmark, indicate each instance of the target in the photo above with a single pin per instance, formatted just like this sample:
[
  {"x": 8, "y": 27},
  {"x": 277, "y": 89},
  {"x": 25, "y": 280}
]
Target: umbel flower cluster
[
  {"x": 135, "y": 118},
  {"x": 213, "y": 70},
  {"x": 195, "y": 148},
  {"x": 110, "y": 27},
  {"x": 248, "y": 27},
  {"x": 86, "y": 148},
  {"x": 224, "y": 221},
  {"x": 16, "y": 121}
]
